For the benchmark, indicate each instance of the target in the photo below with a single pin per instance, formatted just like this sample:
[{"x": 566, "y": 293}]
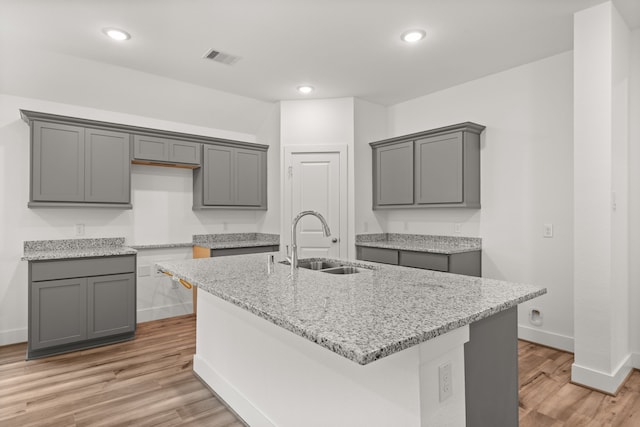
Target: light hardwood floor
[
  {"x": 148, "y": 382},
  {"x": 548, "y": 399}
]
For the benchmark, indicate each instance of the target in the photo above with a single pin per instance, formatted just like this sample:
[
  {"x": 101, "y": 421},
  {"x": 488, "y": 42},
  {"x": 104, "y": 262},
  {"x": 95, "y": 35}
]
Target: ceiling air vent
[{"x": 223, "y": 58}]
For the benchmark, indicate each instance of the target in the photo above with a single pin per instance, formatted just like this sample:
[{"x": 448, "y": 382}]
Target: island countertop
[{"x": 364, "y": 316}]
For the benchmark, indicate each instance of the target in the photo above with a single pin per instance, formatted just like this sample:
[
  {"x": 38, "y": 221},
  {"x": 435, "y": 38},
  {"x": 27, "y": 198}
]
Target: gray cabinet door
[
  {"x": 393, "y": 174},
  {"x": 58, "y": 312},
  {"x": 57, "y": 168},
  {"x": 219, "y": 175},
  {"x": 184, "y": 152},
  {"x": 165, "y": 150},
  {"x": 249, "y": 177},
  {"x": 150, "y": 148},
  {"x": 107, "y": 166},
  {"x": 111, "y": 305},
  {"x": 439, "y": 169}
]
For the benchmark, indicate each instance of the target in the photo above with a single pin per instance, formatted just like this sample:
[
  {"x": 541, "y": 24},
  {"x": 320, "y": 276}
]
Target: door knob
[{"x": 334, "y": 240}]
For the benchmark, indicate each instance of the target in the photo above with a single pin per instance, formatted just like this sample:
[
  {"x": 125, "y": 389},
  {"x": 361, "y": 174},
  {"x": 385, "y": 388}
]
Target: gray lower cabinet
[
  {"x": 74, "y": 165},
  {"x": 435, "y": 168},
  {"x": 231, "y": 177},
  {"x": 165, "y": 150},
  {"x": 71, "y": 313},
  {"x": 491, "y": 371},
  {"x": 467, "y": 263}
]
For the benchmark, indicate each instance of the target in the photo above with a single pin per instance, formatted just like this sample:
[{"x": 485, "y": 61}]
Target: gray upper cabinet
[
  {"x": 435, "y": 168},
  {"x": 166, "y": 151},
  {"x": 73, "y": 165},
  {"x": 57, "y": 163},
  {"x": 249, "y": 177},
  {"x": 439, "y": 169},
  {"x": 219, "y": 173},
  {"x": 81, "y": 162},
  {"x": 231, "y": 177},
  {"x": 150, "y": 148},
  {"x": 393, "y": 183},
  {"x": 107, "y": 173}
]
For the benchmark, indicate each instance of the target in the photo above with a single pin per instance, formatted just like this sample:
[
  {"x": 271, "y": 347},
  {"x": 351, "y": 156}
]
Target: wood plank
[{"x": 149, "y": 382}]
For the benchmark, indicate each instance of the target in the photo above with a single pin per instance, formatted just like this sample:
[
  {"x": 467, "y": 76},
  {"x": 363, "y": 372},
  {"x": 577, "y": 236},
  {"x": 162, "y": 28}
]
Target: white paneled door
[{"x": 316, "y": 180}]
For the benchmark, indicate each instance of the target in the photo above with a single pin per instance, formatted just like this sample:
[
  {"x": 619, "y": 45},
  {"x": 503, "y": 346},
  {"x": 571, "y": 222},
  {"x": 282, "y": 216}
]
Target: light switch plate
[{"x": 548, "y": 230}]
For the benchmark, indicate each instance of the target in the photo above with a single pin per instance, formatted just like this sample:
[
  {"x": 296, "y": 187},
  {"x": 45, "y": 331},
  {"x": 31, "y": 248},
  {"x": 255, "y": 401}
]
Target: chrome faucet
[{"x": 293, "y": 259}]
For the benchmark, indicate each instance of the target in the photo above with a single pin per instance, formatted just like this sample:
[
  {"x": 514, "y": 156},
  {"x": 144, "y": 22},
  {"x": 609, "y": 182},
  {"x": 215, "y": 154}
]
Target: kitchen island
[{"x": 370, "y": 348}]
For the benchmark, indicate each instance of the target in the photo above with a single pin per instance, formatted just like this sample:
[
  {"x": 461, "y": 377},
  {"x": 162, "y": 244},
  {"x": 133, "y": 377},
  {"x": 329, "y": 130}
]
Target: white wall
[
  {"x": 52, "y": 76},
  {"x": 370, "y": 125},
  {"x": 527, "y": 181},
  {"x": 634, "y": 195}
]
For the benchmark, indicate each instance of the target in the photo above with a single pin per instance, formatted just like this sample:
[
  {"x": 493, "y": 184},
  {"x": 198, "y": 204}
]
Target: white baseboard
[
  {"x": 13, "y": 336},
  {"x": 603, "y": 381},
  {"x": 155, "y": 313},
  {"x": 549, "y": 339}
]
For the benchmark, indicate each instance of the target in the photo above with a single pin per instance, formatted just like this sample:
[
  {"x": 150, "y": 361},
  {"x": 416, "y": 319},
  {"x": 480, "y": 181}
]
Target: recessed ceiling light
[
  {"x": 116, "y": 34},
  {"x": 305, "y": 89},
  {"x": 412, "y": 36}
]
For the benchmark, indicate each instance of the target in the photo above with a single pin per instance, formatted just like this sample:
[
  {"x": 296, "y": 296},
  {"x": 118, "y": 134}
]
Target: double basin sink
[{"x": 330, "y": 267}]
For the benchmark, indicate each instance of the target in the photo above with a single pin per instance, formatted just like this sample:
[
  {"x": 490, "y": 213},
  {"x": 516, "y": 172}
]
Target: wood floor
[
  {"x": 548, "y": 399},
  {"x": 144, "y": 382},
  {"x": 149, "y": 382}
]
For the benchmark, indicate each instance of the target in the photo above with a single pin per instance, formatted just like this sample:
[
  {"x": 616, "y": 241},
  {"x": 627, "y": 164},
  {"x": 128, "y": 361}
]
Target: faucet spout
[{"x": 294, "y": 243}]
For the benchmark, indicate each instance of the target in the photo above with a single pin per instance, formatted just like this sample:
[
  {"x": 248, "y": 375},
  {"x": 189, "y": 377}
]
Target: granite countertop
[
  {"x": 235, "y": 240},
  {"x": 364, "y": 316},
  {"x": 43, "y": 250},
  {"x": 420, "y": 242}
]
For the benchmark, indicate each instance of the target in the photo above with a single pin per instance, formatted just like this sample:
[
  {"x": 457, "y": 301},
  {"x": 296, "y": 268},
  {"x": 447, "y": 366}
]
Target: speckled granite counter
[
  {"x": 364, "y": 316},
  {"x": 420, "y": 242},
  {"x": 41, "y": 250},
  {"x": 235, "y": 240}
]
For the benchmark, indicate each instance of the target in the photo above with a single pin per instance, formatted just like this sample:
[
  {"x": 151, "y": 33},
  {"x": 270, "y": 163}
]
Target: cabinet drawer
[
  {"x": 86, "y": 267},
  {"x": 386, "y": 256},
  {"x": 242, "y": 251},
  {"x": 429, "y": 261}
]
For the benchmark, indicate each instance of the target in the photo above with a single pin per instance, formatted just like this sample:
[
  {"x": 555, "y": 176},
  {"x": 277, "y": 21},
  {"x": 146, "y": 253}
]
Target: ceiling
[{"x": 343, "y": 48}]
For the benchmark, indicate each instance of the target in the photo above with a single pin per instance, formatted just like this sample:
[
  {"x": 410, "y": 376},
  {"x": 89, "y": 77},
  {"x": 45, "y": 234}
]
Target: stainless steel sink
[
  {"x": 318, "y": 265},
  {"x": 330, "y": 267},
  {"x": 344, "y": 269}
]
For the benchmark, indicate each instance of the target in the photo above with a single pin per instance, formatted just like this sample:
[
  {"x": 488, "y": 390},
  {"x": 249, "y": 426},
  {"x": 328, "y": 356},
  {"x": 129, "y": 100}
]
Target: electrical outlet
[
  {"x": 457, "y": 228},
  {"x": 79, "y": 229},
  {"x": 548, "y": 230},
  {"x": 366, "y": 226},
  {"x": 445, "y": 381},
  {"x": 535, "y": 317}
]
